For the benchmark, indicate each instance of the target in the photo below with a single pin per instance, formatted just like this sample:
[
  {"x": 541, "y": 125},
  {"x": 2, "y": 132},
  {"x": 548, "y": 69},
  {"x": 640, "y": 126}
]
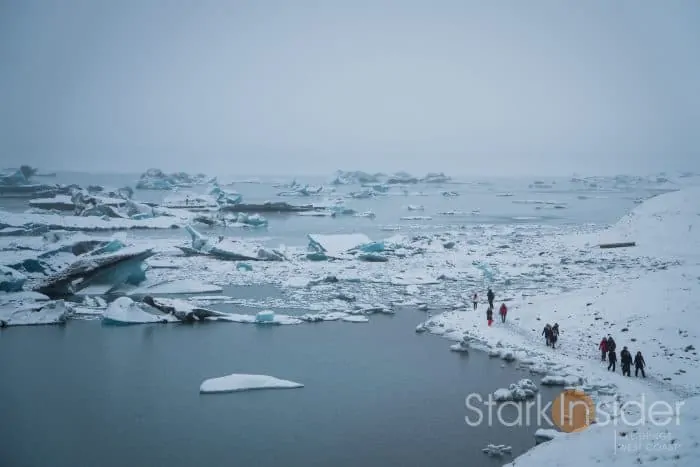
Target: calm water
[{"x": 376, "y": 394}]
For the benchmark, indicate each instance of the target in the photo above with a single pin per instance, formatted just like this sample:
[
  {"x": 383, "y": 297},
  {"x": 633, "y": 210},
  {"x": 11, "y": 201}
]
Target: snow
[
  {"x": 178, "y": 286},
  {"x": 649, "y": 305},
  {"x": 125, "y": 311},
  {"x": 336, "y": 245},
  {"x": 242, "y": 382}
]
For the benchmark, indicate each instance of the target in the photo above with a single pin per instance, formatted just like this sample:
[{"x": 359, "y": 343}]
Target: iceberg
[
  {"x": 278, "y": 207},
  {"x": 355, "y": 319},
  {"x": 58, "y": 203},
  {"x": 156, "y": 179},
  {"x": 178, "y": 286},
  {"x": 432, "y": 177},
  {"x": 242, "y": 382},
  {"x": 56, "y": 312},
  {"x": 402, "y": 178},
  {"x": 181, "y": 310},
  {"x": 229, "y": 249},
  {"x": 125, "y": 311},
  {"x": 265, "y": 316},
  {"x": 107, "y": 270},
  {"x": 336, "y": 245},
  {"x": 11, "y": 280}
]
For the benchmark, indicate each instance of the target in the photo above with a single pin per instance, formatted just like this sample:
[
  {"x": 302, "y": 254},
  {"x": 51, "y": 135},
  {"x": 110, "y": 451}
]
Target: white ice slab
[{"x": 242, "y": 382}]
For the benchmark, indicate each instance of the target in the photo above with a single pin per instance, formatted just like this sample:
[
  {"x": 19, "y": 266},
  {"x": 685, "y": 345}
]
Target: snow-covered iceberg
[
  {"x": 242, "y": 382},
  {"x": 125, "y": 311},
  {"x": 103, "y": 273},
  {"x": 35, "y": 313},
  {"x": 229, "y": 249},
  {"x": 335, "y": 246},
  {"x": 520, "y": 391}
]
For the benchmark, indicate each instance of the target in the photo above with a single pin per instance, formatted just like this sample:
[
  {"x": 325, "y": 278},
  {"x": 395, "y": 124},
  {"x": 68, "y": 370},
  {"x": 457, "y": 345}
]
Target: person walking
[
  {"x": 639, "y": 365},
  {"x": 475, "y": 300},
  {"x": 489, "y": 316},
  {"x": 603, "y": 347},
  {"x": 503, "y": 311},
  {"x": 625, "y": 361},
  {"x": 547, "y": 333},
  {"x": 554, "y": 335},
  {"x": 490, "y": 296},
  {"x": 611, "y": 344},
  {"x": 612, "y": 360}
]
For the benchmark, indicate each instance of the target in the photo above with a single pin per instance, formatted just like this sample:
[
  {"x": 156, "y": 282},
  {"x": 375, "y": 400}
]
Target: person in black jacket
[
  {"x": 489, "y": 316},
  {"x": 625, "y": 361},
  {"x": 490, "y": 296},
  {"x": 547, "y": 333},
  {"x": 611, "y": 344},
  {"x": 639, "y": 365},
  {"x": 612, "y": 359}
]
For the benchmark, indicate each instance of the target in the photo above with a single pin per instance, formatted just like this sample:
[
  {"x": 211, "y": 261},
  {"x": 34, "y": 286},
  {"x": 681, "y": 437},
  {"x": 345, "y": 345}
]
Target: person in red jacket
[
  {"x": 503, "y": 311},
  {"x": 603, "y": 348}
]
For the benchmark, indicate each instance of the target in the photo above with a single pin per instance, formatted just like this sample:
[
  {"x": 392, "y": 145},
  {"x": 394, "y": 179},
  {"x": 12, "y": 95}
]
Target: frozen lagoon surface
[
  {"x": 537, "y": 248},
  {"x": 374, "y": 395}
]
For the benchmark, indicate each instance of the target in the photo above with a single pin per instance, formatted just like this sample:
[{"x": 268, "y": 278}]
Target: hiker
[
  {"x": 639, "y": 365},
  {"x": 611, "y": 344},
  {"x": 603, "y": 347},
  {"x": 554, "y": 334},
  {"x": 489, "y": 316},
  {"x": 490, "y": 296},
  {"x": 625, "y": 361},
  {"x": 547, "y": 333},
  {"x": 612, "y": 359},
  {"x": 503, "y": 311},
  {"x": 475, "y": 300}
]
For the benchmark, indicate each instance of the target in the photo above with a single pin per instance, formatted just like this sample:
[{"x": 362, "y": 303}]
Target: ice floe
[
  {"x": 125, "y": 311},
  {"x": 29, "y": 313},
  {"x": 242, "y": 382}
]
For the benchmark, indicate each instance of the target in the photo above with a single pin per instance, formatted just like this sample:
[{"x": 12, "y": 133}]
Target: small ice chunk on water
[
  {"x": 559, "y": 380},
  {"x": 355, "y": 319},
  {"x": 415, "y": 207},
  {"x": 241, "y": 382},
  {"x": 497, "y": 450},
  {"x": 265, "y": 316}
]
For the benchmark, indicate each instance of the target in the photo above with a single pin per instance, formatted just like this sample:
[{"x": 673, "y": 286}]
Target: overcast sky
[{"x": 261, "y": 86}]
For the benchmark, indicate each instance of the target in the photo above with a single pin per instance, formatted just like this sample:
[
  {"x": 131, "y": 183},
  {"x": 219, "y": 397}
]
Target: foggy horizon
[{"x": 538, "y": 88}]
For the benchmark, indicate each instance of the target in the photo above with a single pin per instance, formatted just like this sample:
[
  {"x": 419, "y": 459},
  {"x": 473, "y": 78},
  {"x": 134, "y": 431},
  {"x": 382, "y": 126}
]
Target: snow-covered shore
[{"x": 653, "y": 311}]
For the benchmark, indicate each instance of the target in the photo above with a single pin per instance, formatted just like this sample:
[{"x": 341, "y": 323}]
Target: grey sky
[{"x": 262, "y": 86}]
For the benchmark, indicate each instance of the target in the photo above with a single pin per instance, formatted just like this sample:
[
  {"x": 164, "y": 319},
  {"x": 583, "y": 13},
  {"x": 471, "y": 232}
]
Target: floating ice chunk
[
  {"x": 110, "y": 270},
  {"x": 125, "y": 311},
  {"x": 520, "y": 391},
  {"x": 558, "y": 380},
  {"x": 229, "y": 249},
  {"x": 179, "y": 286},
  {"x": 55, "y": 312},
  {"x": 252, "y": 319},
  {"x": 415, "y": 207},
  {"x": 458, "y": 347},
  {"x": 11, "y": 280},
  {"x": 265, "y": 316},
  {"x": 242, "y": 382},
  {"x": 355, "y": 319},
  {"x": 497, "y": 450},
  {"x": 180, "y": 309},
  {"x": 336, "y": 245},
  {"x": 543, "y": 434},
  {"x": 416, "y": 218}
]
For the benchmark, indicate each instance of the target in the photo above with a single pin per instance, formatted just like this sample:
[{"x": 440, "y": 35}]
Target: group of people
[
  {"x": 551, "y": 334},
  {"x": 607, "y": 348},
  {"x": 490, "y": 296}
]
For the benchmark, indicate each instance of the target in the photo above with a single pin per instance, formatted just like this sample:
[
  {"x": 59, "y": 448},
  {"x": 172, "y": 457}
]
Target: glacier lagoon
[
  {"x": 374, "y": 394},
  {"x": 487, "y": 214}
]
